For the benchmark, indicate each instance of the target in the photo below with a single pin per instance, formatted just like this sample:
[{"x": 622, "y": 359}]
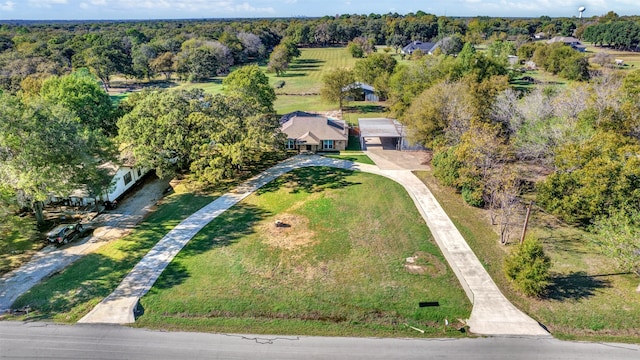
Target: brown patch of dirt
[
  {"x": 425, "y": 264},
  {"x": 293, "y": 234}
]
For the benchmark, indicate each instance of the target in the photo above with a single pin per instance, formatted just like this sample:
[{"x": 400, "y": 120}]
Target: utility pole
[{"x": 526, "y": 223}]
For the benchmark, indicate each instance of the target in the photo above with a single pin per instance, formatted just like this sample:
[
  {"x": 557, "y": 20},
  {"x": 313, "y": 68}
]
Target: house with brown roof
[{"x": 315, "y": 133}]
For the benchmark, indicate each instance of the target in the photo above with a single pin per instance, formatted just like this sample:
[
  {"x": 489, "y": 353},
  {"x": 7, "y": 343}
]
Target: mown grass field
[
  {"x": 588, "y": 299},
  {"x": 302, "y": 84},
  {"x": 337, "y": 268},
  {"x": 302, "y": 81},
  {"x": 631, "y": 59}
]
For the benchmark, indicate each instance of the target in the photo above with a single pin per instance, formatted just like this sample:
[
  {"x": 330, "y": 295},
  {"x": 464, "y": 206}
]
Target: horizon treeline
[{"x": 150, "y": 48}]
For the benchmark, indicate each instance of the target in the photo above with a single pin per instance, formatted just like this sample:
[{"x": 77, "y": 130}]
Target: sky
[{"x": 190, "y": 9}]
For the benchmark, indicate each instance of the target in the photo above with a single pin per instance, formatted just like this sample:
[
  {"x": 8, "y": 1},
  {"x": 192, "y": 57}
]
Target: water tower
[{"x": 581, "y": 9}]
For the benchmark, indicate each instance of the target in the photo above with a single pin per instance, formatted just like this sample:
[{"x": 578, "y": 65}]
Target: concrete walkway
[{"x": 492, "y": 313}]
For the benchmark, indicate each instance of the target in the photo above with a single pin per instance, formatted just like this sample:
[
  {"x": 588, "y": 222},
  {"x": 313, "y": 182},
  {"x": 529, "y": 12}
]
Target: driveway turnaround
[
  {"x": 50, "y": 260},
  {"x": 492, "y": 313}
]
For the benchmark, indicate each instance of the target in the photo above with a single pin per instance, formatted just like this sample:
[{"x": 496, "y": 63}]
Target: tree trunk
[{"x": 38, "y": 207}]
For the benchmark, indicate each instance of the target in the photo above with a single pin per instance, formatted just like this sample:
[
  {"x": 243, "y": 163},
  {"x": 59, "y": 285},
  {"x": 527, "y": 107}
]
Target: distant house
[
  {"x": 315, "y": 133},
  {"x": 362, "y": 92},
  {"x": 540, "y": 36},
  {"x": 569, "y": 40},
  {"x": 425, "y": 47}
]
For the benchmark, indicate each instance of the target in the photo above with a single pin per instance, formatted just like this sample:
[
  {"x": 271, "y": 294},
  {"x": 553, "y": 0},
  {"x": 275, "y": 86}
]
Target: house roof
[
  {"x": 426, "y": 47},
  {"x": 288, "y": 116},
  {"x": 110, "y": 167},
  {"x": 313, "y": 129},
  {"x": 358, "y": 85},
  {"x": 309, "y": 138},
  {"x": 380, "y": 127},
  {"x": 565, "y": 39}
]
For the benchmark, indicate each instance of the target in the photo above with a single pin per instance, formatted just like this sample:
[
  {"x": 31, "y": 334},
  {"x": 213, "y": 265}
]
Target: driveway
[
  {"x": 492, "y": 313},
  {"x": 107, "y": 227},
  {"x": 383, "y": 153}
]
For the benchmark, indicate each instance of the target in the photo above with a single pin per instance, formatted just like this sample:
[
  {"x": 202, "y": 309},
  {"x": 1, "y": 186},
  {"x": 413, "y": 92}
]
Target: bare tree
[
  {"x": 606, "y": 97},
  {"x": 571, "y": 101},
  {"x": 602, "y": 58},
  {"x": 502, "y": 189},
  {"x": 507, "y": 110}
]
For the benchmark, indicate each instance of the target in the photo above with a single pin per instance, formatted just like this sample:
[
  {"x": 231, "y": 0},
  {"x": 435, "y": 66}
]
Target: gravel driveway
[{"x": 107, "y": 226}]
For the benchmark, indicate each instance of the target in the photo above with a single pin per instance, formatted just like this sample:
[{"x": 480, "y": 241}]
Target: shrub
[
  {"x": 528, "y": 267},
  {"x": 446, "y": 166},
  {"x": 473, "y": 196},
  {"x": 355, "y": 50}
]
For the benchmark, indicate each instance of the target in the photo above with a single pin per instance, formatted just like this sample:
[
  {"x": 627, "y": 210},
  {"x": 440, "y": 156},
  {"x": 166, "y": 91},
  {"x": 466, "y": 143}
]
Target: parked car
[{"x": 64, "y": 233}]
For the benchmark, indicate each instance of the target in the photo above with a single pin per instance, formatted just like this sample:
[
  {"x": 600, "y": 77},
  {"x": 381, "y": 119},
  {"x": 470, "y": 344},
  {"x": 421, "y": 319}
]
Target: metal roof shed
[{"x": 381, "y": 128}]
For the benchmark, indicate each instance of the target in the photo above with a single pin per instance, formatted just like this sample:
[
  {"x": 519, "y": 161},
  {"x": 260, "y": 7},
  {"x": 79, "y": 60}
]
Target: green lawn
[
  {"x": 588, "y": 300},
  {"x": 115, "y": 99},
  {"x": 214, "y": 86},
  {"x": 338, "y": 268},
  {"x": 303, "y": 80},
  {"x": 355, "y": 156},
  {"x": 18, "y": 241}
]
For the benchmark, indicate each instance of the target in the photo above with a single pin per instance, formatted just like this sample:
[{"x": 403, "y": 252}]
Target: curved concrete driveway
[{"x": 492, "y": 313}]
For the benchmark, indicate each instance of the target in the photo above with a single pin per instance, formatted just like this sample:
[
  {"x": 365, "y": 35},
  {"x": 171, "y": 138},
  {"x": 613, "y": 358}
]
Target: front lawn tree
[
  {"x": 216, "y": 137},
  {"x": 158, "y": 132},
  {"x": 81, "y": 93},
  {"x": 252, "y": 85},
  {"x": 238, "y": 134},
  {"x": 335, "y": 85},
  {"x": 528, "y": 267},
  {"x": 45, "y": 149}
]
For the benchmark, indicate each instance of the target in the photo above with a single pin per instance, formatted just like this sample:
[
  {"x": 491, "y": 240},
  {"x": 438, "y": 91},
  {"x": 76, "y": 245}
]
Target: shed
[
  {"x": 382, "y": 128},
  {"x": 362, "y": 92}
]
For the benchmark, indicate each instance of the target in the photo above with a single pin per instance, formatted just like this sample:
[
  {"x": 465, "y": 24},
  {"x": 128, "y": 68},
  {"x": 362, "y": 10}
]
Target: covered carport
[{"x": 381, "y": 132}]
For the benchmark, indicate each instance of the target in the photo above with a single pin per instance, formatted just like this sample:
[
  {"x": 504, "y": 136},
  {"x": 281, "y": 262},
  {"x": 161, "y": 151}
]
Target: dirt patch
[
  {"x": 292, "y": 232},
  {"x": 425, "y": 264}
]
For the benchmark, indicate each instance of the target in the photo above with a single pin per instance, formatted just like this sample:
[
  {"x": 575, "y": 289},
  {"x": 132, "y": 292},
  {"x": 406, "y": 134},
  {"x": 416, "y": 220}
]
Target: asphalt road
[{"x": 49, "y": 341}]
